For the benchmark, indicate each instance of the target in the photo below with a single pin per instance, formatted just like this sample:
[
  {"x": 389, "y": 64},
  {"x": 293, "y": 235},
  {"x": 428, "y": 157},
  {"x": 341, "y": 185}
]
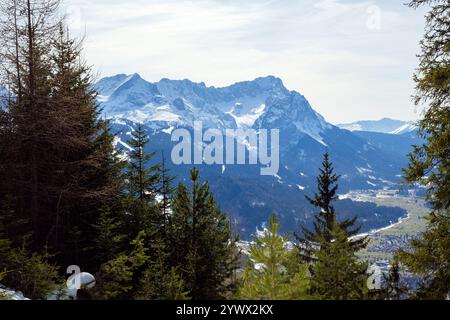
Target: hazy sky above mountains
[{"x": 352, "y": 60}]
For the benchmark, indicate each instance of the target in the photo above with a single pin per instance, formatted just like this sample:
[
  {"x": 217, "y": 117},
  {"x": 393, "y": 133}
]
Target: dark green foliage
[
  {"x": 158, "y": 280},
  {"x": 204, "y": 251},
  {"x": 12, "y": 227},
  {"x": 142, "y": 185},
  {"x": 31, "y": 273},
  {"x": 116, "y": 278},
  {"x": 429, "y": 163},
  {"x": 142, "y": 270},
  {"x": 109, "y": 239},
  {"x": 167, "y": 191},
  {"x": 87, "y": 173},
  {"x": 430, "y": 258},
  {"x": 326, "y": 219},
  {"x": 337, "y": 273},
  {"x": 160, "y": 284}
]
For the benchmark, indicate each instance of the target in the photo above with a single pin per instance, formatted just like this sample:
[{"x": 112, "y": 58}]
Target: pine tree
[
  {"x": 273, "y": 272},
  {"x": 144, "y": 216},
  {"x": 161, "y": 280},
  {"x": 204, "y": 251},
  {"x": 429, "y": 163},
  {"x": 159, "y": 284},
  {"x": 142, "y": 183},
  {"x": 337, "y": 273},
  {"x": 116, "y": 278},
  {"x": 326, "y": 219},
  {"x": 86, "y": 173},
  {"x": 109, "y": 239},
  {"x": 110, "y": 230},
  {"x": 166, "y": 192}
]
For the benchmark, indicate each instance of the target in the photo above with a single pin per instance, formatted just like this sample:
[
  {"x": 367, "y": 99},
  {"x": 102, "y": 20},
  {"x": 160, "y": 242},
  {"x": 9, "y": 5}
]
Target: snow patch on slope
[
  {"x": 247, "y": 120},
  {"x": 404, "y": 129}
]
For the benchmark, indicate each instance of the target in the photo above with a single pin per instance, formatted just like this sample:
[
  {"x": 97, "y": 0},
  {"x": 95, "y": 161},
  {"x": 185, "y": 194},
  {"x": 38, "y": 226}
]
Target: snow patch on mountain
[
  {"x": 351, "y": 127},
  {"x": 408, "y": 127},
  {"x": 363, "y": 170},
  {"x": 371, "y": 184},
  {"x": 246, "y": 120},
  {"x": 168, "y": 130},
  {"x": 117, "y": 141}
]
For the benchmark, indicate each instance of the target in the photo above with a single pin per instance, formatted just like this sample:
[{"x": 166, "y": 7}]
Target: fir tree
[
  {"x": 204, "y": 251},
  {"x": 429, "y": 163},
  {"x": 273, "y": 272},
  {"x": 142, "y": 183},
  {"x": 154, "y": 278},
  {"x": 116, "y": 278},
  {"x": 109, "y": 239},
  {"x": 167, "y": 192},
  {"x": 88, "y": 175},
  {"x": 325, "y": 220},
  {"x": 337, "y": 273},
  {"x": 158, "y": 283},
  {"x": 160, "y": 280}
]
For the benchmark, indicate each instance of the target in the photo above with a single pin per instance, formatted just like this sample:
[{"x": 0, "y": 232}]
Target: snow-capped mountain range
[
  {"x": 385, "y": 125},
  {"x": 365, "y": 160},
  {"x": 261, "y": 103}
]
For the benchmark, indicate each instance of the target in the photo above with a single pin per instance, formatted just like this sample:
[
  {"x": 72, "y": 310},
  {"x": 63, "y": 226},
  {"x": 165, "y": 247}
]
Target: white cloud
[{"x": 324, "y": 49}]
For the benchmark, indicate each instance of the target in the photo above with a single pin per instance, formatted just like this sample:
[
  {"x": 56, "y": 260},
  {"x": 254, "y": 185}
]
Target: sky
[{"x": 353, "y": 60}]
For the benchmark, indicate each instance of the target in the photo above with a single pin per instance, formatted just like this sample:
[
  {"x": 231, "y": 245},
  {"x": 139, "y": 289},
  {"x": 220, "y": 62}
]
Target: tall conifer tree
[
  {"x": 429, "y": 163},
  {"x": 142, "y": 183},
  {"x": 337, "y": 274},
  {"x": 273, "y": 272},
  {"x": 326, "y": 218},
  {"x": 203, "y": 248}
]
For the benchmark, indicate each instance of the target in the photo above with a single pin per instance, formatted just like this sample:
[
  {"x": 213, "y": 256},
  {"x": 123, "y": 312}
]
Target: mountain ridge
[{"x": 384, "y": 125}]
